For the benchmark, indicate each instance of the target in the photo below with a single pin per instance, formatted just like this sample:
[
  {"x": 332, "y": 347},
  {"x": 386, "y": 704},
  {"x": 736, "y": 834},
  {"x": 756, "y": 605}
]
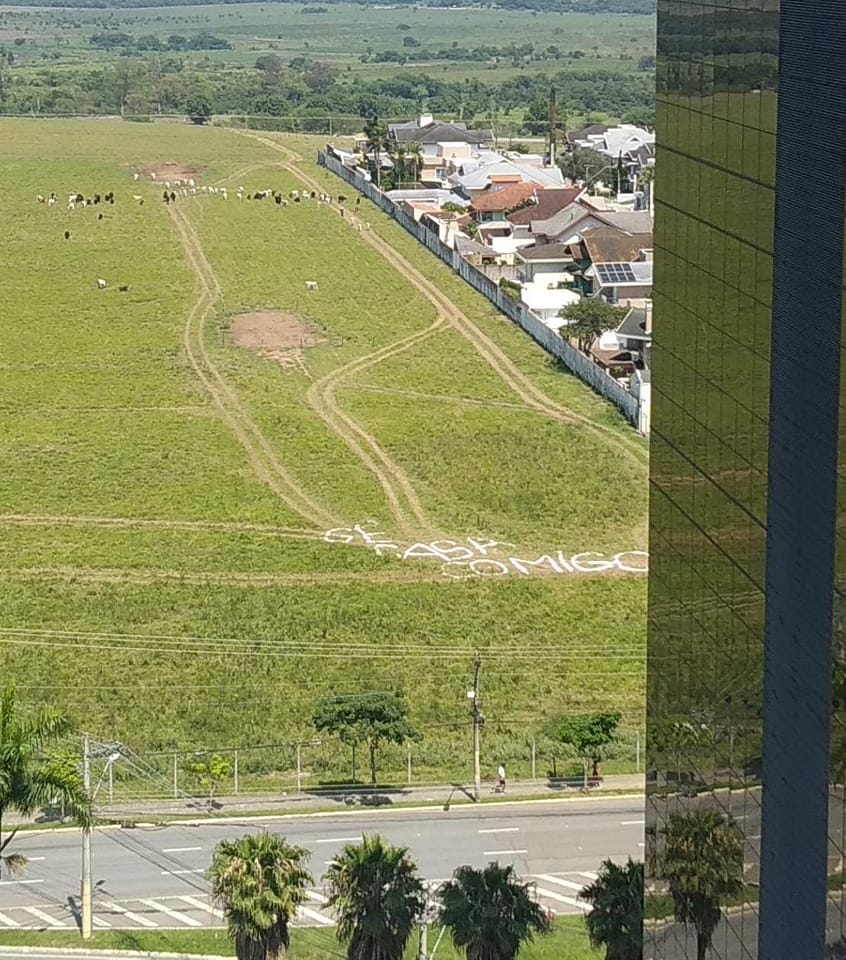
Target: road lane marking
[
  {"x": 45, "y": 917},
  {"x": 6, "y": 882},
  {"x": 314, "y": 915},
  {"x": 317, "y": 897},
  {"x": 569, "y": 884},
  {"x": 570, "y": 901},
  {"x": 181, "y": 873},
  {"x": 632, "y": 823},
  {"x": 194, "y": 902},
  {"x": 8, "y": 921},
  {"x": 173, "y": 914},
  {"x": 138, "y": 918},
  {"x": 179, "y": 849},
  {"x": 501, "y": 830},
  {"x": 501, "y": 853},
  {"x": 35, "y": 859},
  {"x": 339, "y": 839}
]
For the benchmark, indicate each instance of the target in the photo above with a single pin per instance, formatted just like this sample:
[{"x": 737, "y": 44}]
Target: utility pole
[
  {"x": 552, "y": 126},
  {"x": 85, "y": 891},
  {"x": 478, "y": 720},
  {"x": 423, "y": 952}
]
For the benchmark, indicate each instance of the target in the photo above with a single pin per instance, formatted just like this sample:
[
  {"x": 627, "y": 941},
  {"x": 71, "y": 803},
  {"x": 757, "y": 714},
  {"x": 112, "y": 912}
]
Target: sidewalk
[{"x": 348, "y": 798}]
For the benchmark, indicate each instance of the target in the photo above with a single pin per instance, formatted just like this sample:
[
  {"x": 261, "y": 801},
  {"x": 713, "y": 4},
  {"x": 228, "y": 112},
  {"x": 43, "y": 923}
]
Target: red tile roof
[{"x": 499, "y": 199}]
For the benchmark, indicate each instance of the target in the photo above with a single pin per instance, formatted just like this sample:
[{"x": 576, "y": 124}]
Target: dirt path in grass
[
  {"x": 487, "y": 349},
  {"x": 142, "y": 523},
  {"x": 259, "y": 452},
  {"x": 142, "y": 576},
  {"x": 399, "y": 492}
]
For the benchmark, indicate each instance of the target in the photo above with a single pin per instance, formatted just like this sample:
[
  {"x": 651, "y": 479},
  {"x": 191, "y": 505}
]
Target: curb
[
  {"x": 82, "y": 952},
  {"x": 171, "y": 819}
]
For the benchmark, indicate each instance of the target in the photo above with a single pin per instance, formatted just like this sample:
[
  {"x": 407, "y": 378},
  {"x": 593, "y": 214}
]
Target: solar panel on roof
[{"x": 610, "y": 273}]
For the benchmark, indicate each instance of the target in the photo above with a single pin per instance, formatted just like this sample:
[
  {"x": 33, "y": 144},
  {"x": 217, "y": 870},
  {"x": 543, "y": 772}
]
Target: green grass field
[
  {"x": 164, "y": 568},
  {"x": 568, "y": 941},
  {"x": 339, "y": 36}
]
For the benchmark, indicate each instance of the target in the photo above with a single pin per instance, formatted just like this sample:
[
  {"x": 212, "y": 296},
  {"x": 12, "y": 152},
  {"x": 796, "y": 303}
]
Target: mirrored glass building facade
[{"x": 746, "y": 695}]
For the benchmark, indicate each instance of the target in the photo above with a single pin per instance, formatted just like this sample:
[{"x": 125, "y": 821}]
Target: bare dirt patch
[
  {"x": 275, "y": 335},
  {"x": 168, "y": 170}
]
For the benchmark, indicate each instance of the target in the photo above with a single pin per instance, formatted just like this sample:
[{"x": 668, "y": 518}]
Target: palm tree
[
  {"x": 702, "y": 863},
  {"x": 490, "y": 913},
  {"x": 377, "y": 896},
  {"x": 616, "y": 920},
  {"x": 28, "y": 779},
  {"x": 399, "y": 157},
  {"x": 259, "y": 880},
  {"x": 415, "y": 151}
]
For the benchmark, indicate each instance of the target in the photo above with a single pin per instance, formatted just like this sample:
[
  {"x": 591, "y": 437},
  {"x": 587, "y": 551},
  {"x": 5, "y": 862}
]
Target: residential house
[
  {"x": 634, "y": 334},
  {"x": 620, "y": 267},
  {"x": 613, "y": 142},
  {"x": 548, "y": 277},
  {"x": 547, "y": 202},
  {"x": 437, "y": 146},
  {"x": 502, "y": 172}
]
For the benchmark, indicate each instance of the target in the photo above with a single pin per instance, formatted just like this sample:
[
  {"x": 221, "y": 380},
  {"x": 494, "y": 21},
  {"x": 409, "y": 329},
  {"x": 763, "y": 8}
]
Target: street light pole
[
  {"x": 85, "y": 892},
  {"x": 478, "y": 720}
]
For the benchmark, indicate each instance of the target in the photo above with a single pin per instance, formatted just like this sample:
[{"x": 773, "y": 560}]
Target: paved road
[{"x": 153, "y": 877}]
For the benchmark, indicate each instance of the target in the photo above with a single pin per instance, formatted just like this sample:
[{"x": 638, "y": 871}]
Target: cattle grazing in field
[
  {"x": 99, "y": 216},
  {"x": 135, "y": 176},
  {"x": 165, "y": 196},
  {"x": 101, "y": 284},
  {"x": 172, "y": 197},
  {"x": 311, "y": 285},
  {"x": 67, "y": 234},
  {"x": 123, "y": 288}
]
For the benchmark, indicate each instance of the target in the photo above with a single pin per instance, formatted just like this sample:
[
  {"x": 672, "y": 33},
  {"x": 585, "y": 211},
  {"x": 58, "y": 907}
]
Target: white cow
[
  {"x": 311, "y": 284},
  {"x": 101, "y": 284}
]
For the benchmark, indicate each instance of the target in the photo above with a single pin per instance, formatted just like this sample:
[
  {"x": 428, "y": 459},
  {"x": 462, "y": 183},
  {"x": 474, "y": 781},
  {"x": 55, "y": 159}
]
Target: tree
[
  {"x": 582, "y": 163},
  {"x": 415, "y": 153},
  {"x": 198, "y": 109},
  {"x": 589, "y": 736},
  {"x": 702, "y": 863},
  {"x": 370, "y": 718},
  {"x": 211, "y": 771},
  {"x": 259, "y": 881},
  {"x": 377, "y": 140},
  {"x": 29, "y": 778},
  {"x": 490, "y": 913},
  {"x": 616, "y": 920},
  {"x": 588, "y": 319},
  {"x": 377, "y": 897},
  {"x": 270, "y": 64}
]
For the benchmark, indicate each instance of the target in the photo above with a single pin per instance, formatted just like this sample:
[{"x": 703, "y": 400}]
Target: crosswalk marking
[
  {"x": 199, "y": 905},
  {"x": 173, "y": 914},
  {"x": 138, "y": 918},
  {"x": 569, "y": 884},
  {"x": 45, "y": 917},
  {"x": 8, "y": 921},
  {"x": 314, "y": 915},
  {"x": 570, "y": 901},
  {"x": 317, "y": 897},
  {"x": 100, "y": 922},
  {"x": 589, "y": 875}
]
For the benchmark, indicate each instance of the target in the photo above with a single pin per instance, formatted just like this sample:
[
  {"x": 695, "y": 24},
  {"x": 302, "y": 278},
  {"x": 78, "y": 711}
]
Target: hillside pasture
[{"x": 165, "y": 483}]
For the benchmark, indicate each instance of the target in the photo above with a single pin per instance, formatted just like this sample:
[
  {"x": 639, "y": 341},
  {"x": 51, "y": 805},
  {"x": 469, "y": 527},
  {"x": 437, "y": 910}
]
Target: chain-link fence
[{"x": 441, "y": 756}]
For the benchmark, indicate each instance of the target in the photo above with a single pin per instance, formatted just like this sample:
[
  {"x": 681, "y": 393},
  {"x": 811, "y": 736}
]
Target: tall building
[{"x": 746, "y": 658}]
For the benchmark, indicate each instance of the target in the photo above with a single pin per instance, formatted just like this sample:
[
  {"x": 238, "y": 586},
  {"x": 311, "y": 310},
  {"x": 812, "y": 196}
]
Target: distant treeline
[
  {"x": 534, "y": 6},
  {"x": 168, "y": 84}
]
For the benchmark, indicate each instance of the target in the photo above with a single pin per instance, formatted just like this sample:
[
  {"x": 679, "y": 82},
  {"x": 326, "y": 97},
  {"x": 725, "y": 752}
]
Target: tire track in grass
[
  {"x": 144, "y": 523},
  {"x": 259, "y": 452},
  {"x": 399, "y": 491},
  {"x": 400, "y": 495},
  {"x": 143, "y": 576},
  {"x": 487, "y": 349}
]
